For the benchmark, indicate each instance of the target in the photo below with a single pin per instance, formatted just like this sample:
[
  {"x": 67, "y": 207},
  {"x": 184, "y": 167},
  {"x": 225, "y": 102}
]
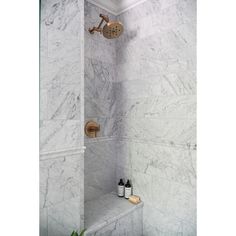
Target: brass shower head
[{"x": 111, "y": 30}]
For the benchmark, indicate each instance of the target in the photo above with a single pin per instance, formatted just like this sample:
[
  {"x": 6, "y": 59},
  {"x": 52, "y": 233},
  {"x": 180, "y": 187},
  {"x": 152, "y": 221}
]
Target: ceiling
[{"x": 116, "y": 7}]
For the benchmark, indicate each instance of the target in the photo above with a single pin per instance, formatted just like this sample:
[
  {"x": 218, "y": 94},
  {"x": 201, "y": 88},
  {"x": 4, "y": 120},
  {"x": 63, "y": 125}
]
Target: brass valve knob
[{"x": 91, "y": 128}]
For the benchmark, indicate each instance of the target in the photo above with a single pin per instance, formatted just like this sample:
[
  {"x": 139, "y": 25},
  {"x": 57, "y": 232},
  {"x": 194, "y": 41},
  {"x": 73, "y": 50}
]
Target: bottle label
[
  {"x": 127, "y": 192},
  {"x": 120, "y": 191}
]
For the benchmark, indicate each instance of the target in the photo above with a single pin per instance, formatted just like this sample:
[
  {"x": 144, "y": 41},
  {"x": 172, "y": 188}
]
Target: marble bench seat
[{"x": 112, "y": 216}]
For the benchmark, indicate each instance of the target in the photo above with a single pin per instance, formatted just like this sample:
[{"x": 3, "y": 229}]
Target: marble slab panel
[
  {"x": 63, "y": 218},
  {"x": 64, "y": 102},
  {"x": 100, "y": 160},
  {"x": 162, "y": 131},
  {"x": 66, "y": 70},
  {"x": 43, "y": 227},
  {"x": 170, "y": 207},
  {"x": 178, "y": 107},
  {"x": 99, "y": 91},
  {"x": 60, "y": 180},
  {"x": 175, "y": 164},
  {"x": 59, "y": 134}
]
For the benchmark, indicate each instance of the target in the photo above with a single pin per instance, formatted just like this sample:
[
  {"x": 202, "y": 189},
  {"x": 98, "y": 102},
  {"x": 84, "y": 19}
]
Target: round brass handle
[{"x": 91, "y": 128}]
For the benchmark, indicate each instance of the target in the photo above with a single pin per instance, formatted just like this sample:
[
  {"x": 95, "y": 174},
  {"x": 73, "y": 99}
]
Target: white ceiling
[{"x": 116, "y": 7}]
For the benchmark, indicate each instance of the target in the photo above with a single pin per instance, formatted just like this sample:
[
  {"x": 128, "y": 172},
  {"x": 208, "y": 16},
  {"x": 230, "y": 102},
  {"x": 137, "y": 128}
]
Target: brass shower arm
[
  {"x": 98, "y": 29},
  {"x": 105, "y": 18}
]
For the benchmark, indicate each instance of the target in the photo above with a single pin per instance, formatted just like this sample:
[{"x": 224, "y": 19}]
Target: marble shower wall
[
  {"x": 155, "y": 112},
  {"x": 100, "y": 75},
  {"x": 61, "y": 116}
]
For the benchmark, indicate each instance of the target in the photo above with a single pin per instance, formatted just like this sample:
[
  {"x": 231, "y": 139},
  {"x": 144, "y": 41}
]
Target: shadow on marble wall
[{"x": 100, "y": 76}]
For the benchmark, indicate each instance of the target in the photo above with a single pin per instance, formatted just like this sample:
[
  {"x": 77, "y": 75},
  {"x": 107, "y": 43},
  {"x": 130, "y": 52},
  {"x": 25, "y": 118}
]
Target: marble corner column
[{"x": 61, "y": 117}]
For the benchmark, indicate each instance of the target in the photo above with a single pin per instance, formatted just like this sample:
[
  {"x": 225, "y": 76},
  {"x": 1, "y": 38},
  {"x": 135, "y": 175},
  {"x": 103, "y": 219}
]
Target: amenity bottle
[
  {"x": 128, "y": 189},
  {"x": 121, "y": 188}
]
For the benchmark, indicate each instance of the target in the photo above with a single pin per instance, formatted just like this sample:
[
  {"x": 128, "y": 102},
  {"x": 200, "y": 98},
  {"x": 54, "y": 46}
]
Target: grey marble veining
[
  {"x": 59, "y": 180},
  {"x": 100, "y": 164},
  {"x": 176, "y": 107},
  {"x": 156, "y": 112},
  {"x": 163, "y": 131},
  {"x": 64, "y": 217},
  {"x": 111, "y": 215},
  {"x": 99, "y": 89},
  {"x": 61, "y": 117},
  {"x": 61, "y": 74},
  {"x": 100, "y": 106},
  {"x": 59, "y": 134},
  {"x": 61, "y": 195}
]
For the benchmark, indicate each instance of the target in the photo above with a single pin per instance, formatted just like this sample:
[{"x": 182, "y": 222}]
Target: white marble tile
[
  {"x": 64, "y": 102},
  {"x": 119, "y": 217},
  {"x": 63, "y": 218},
  {"x": 177, "y": 107},
  {"x": 61, "y": 116},
  {"x": 99, "y": 91},
  {"x": 100, "y": 161},
  {"x": 59, "y": 180},
  {"x": 63, "y": 15},
  {"x": 64, "y": 70},
  {"x": 59, "y": 134},
  {"x": 163, "y": 131},
  {"x": 43, "y": 230}
]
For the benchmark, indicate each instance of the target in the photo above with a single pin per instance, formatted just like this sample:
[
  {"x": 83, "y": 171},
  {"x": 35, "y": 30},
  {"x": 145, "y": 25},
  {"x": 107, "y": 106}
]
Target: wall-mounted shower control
[{"x": 91, "y": 128}]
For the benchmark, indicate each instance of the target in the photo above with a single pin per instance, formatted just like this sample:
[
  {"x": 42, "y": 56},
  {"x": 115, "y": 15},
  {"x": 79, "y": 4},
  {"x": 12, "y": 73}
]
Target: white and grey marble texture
[
  {"x": 61, "y": 117},
  {"x": 113, "y": 216},
  {"x": 59, "y": 180},
  {"x": 59, "y": 134},
  {"x": 61, "y": 195},
  {"x": 100, "y": 166},
  {"x": 100, "y": 106},
  {"x": 155, "y": 94},
  {"x": 61, "y": 74},
  {"x": 64, "y": 217}
]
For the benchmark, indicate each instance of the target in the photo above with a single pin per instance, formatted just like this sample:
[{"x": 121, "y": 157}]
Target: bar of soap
[{"x": 134, "y": 199}]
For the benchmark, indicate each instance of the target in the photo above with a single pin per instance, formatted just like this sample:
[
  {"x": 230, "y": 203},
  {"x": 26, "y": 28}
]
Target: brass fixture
[
  {"x": 112, "y": 29},
  {"x": 91, "y": 128}
]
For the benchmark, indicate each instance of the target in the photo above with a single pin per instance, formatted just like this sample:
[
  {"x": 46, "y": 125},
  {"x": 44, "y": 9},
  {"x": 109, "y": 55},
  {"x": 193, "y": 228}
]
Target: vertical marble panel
[
  {"x": 59, "y": 180},
  {"x": 43, "y": 230},
  {"x": 63, "y": 218},
  {"x": 156, "y": 112},
  {"x": 61, "y": 195},
  {"x": 61, "y": 74},
  {"x": 61, "y": 116},
  {"x": 100, "y": 77},
  {"x": 99, "y": 168},
  {"x": 59, "y": 134}
]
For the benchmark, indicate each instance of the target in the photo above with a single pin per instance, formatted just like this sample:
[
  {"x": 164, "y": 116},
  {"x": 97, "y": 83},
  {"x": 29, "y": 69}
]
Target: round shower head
[{"x": 113, "y": 29}]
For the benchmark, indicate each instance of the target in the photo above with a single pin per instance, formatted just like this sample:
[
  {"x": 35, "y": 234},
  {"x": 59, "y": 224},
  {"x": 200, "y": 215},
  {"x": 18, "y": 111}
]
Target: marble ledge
[
  {"x": 188, "y": 146},
  {"x": 61, "y": 153},
  {"x": 112, "y": 208},
  {"x": 99, "y": 139}
]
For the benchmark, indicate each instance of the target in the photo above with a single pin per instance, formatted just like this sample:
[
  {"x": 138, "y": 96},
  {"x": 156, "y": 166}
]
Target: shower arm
[{"x": 98, "y": 29}]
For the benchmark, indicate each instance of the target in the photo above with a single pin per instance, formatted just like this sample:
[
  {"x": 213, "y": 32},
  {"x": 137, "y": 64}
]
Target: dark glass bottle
[
  {"x": 121, "y": 188},
  {"x": 128, "y": 189}
]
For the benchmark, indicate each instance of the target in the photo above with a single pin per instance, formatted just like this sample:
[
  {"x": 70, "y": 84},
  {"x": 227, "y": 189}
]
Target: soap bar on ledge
[{"x": 134, "y": 199}]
